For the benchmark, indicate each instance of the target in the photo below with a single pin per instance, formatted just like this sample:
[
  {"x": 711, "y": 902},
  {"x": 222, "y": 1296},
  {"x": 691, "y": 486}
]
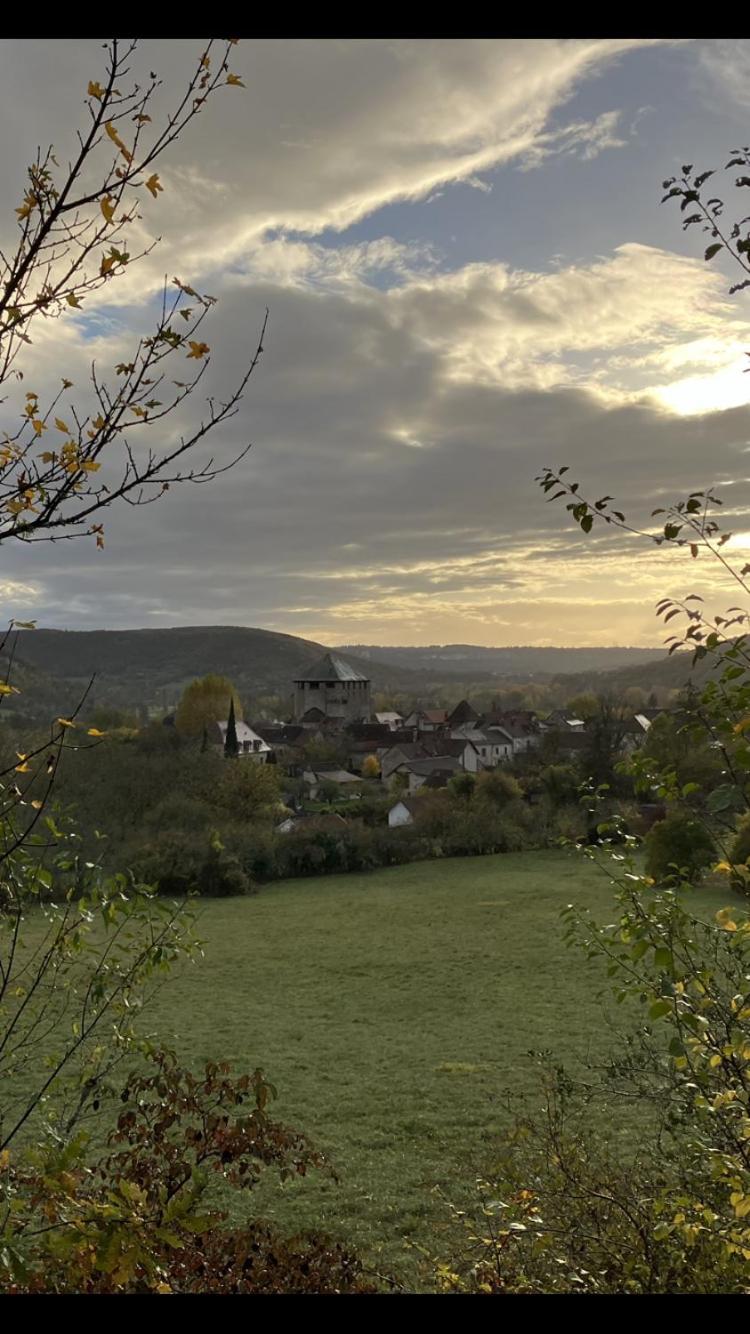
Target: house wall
[{"x": 399, "y": 815}]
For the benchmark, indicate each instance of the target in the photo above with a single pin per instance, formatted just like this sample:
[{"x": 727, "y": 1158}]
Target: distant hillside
[
  {"x": 476, "y": 662},
  {"x": 152, "y": 667},
  {"x": 670, "y": 672}
]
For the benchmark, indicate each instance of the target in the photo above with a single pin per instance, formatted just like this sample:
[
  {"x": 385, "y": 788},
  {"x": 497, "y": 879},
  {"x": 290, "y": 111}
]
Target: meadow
[{"x": 395, "y": 1013}]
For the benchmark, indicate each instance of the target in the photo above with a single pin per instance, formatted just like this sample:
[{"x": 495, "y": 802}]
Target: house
[
  {"x": 435, "y": 771},
  {"x": 390, "y": 720},
  {"x": 315, "y": 778},
  {"x": 323, "y": 820},
  {"x": 560, "y": 720},
  {"x": 402, "y": 812},
  {"x": 522, "y": 725},
  {"x": 334, "y": 687},
  {"x": 426, "y": 720},
  {"x": 462, "y": 714},
  {"x": 493, "y": 745},
  {"x": 248, "y": 741}
]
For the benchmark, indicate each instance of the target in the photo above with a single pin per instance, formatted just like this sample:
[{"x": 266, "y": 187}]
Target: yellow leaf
[
  {"x": 72, "y": 300},
  {"x": 112, "y": 132},
  {"x": 91, "y": 465},
  {"x": 724, "y": 867},
  {"x": 107, "y": 207},
  {"x": 99, "y": 422},
  {"x": 235, "y": 80},
  {"x": 23, "y": 768},
  {"x": 154, "y": 185},
  {"x": 197, "y": 350},
  {"x": 742, "y": 726},
  {"x": 61, "y": 426},
  {"x": 66, "y": 722},
  {"x": 94, "y": 731},
  {"x": 38, "y": 425},
  {"x": 5, "y": 689},
  {"x": 95, "y": 90},
  {"x": 724, "y": 919},
  {"x": 37, "y": 805}
]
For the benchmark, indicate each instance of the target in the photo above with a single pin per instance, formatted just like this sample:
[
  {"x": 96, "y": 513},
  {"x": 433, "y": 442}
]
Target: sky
[{"x": 469, "y": 277}]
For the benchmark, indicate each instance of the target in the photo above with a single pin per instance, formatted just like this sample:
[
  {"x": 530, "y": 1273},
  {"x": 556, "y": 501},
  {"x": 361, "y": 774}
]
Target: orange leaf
[{"x": 198, "y": 350}]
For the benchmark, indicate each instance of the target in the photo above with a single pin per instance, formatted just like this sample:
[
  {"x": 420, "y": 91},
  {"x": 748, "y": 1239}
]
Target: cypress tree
[{"x": 231, "y": 746}]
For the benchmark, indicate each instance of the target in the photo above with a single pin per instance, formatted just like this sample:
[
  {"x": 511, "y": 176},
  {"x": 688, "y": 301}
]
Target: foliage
[
  {"x": 145, "y": 1218},
  {"x": 79, "y": 955},
  {"x": 462, "y": 785},
  {"x": 371, "y": 767},
  {"x": 73, "y": 242},
  {"x": 204, "y": 702},
  {"x": 496, "y": 788},
  {"x": 678, "y": 846}
]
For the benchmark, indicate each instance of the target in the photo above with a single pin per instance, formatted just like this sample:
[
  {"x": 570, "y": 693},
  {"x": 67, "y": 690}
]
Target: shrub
[
  {"x": 496, "y": 788},
  {"x": 680, "y": 843}
]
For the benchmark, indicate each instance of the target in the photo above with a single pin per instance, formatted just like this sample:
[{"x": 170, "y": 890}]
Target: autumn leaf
[
  {"x": 112, "y": 132},
  {"x": 197, "y": 350},
  {"x": 61, "y": 426},
  {"x": 100, "y": 541},
  {"x": 107, "y": 207},
  {"x": 48, "y": 456},
  {"x": 65, "y": 722},
  {"x": 94, "y": 731},
  {"x": 154, "y": 185},
  {"x": 235, "y": 81},
  {"x": 95, "y": 90},
  {"x": 72, "y": 300},
  {"x": 68, "y": 384},
  {"x": 91, "y": 465},
  {"x": 25, "y": 625},
  {"x": 23, "y": 768},
  {"x": 142, "y": 118},
  {"x": 5, "y": 689},
  {"x": 37, "y": 805},
  {"x": 38, "y": 425}
]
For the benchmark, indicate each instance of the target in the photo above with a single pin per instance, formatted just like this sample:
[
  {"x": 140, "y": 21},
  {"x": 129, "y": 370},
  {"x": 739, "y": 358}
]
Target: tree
[
  {"x": 205, "y": 702},
  {"x": 682, "y": 1209},
  {"x": 604, "y": 736},
  {"x": 66, "y": 463},
  {"x": 497, "y": 789},
  {"x": 231, "y": 745},
  {"x": 462, "y": 785},
  {"x": 371, "y": 767},
  {"x": 80, "y": 950}
]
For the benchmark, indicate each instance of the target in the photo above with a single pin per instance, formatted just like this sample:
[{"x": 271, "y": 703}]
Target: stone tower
[{"x": 338, "y": 690}]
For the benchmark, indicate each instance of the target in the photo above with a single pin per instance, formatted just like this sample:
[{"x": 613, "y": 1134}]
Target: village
[{"x": 402, "y": 755}]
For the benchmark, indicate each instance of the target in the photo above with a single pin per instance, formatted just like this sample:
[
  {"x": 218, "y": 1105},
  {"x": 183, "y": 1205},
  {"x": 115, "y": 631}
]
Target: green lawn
[{"x": 393, "y": 1011}]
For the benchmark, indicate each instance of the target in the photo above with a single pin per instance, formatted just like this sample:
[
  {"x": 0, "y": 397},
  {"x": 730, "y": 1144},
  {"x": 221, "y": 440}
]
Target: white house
[
  {"x": 390, "y": 720},
  {"x": 401, "y": 813},
  {"x": 493, "y": 745},
  {"x": 248, "y": 741}
]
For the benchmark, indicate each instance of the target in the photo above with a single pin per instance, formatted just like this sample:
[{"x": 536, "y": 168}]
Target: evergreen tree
[{"x": 231, "y": 746}]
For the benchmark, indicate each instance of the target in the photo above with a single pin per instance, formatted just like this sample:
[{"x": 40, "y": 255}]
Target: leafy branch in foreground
[{"x": 63, "y": 463}]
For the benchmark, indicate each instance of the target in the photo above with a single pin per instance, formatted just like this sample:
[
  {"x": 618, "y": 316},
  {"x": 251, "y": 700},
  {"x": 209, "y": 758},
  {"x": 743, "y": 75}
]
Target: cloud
[{"x": 406, "y": 399}]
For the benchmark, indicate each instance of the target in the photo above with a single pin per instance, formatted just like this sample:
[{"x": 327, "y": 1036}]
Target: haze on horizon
[{"x": 469, "y": 277}]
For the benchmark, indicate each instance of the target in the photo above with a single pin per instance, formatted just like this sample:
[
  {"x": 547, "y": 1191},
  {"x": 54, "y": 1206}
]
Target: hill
[
  {"x": 476, "y": 662},
  {"x": 152, "y": 667}
]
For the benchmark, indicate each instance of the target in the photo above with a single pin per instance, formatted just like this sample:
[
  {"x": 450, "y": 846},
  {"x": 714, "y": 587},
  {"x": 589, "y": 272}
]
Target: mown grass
[{"x": 394, "y": 1012}]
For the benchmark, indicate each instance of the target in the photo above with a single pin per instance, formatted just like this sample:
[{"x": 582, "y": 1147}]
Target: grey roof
[
  {"x": 435, "y": 764},
  {"x": 331, "y": 668}
]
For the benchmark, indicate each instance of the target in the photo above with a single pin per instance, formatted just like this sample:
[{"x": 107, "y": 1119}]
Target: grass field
[{"x": 394, "y": 1012}]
